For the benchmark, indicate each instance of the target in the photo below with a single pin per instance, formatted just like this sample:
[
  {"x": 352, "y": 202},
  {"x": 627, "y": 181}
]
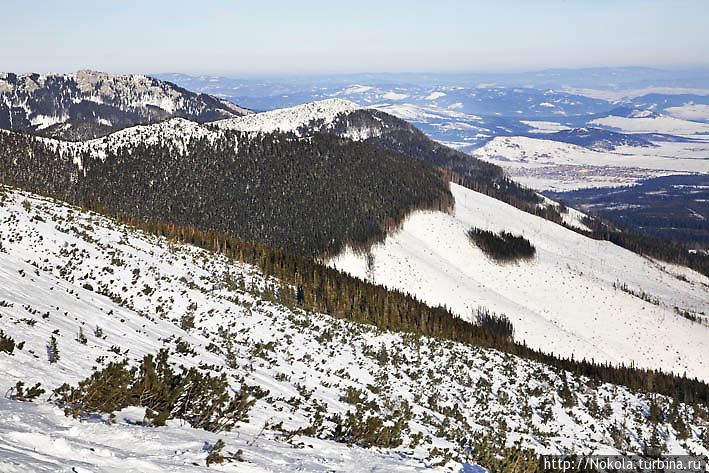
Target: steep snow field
[
  {"x": 62, "y": 270},
  {"x": 563, "y": 301}
]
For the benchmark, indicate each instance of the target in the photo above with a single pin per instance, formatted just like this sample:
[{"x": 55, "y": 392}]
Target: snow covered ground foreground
[
  {"x": 564, "y": 301},
  {"x": 64, "y": 272},
  {"x": 38, "y": 437}
]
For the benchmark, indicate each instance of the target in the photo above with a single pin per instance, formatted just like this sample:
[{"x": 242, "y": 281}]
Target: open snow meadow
[{"x": 106, "y": 293}]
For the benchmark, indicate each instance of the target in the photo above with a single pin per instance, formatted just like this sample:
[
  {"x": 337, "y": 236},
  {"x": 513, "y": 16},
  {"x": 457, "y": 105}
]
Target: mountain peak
[
  {"x": 87, "y": 104},
  {"x": 292, "y": 118}
]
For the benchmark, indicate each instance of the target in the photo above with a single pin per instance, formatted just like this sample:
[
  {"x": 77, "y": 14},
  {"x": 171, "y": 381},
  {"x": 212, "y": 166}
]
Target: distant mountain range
[
  {"x": 88, "y": 104},
  {"x": 466, "y": 111},
  {"x": 617, "y": 81}
]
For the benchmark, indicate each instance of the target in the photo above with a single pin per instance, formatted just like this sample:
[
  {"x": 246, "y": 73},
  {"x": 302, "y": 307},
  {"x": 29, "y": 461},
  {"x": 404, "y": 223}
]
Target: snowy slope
[
  {"x": 175, "y": 132},
  {"x": 571, "y": 217},
  {"x": 563, "y": 301},
  {"x": 523, "y": 151},
  {"x": 62, "y": 269},
  {"x": 292, "y": 118}
]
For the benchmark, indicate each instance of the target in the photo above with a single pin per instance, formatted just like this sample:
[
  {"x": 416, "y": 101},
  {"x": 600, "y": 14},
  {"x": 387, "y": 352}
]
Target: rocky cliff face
[{"x": 88, "y": 104}]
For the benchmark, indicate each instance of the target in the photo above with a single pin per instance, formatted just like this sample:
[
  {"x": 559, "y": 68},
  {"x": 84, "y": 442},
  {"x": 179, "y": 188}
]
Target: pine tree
[
  {"x": 656, "y": 414},
  {"x": 53, "y": 350},
  {"x": 98, "y": 332},
  {"x": 656, "y": 445},
  {"x": 81, "y": 338},
  {"x": 568, "y": 399}
]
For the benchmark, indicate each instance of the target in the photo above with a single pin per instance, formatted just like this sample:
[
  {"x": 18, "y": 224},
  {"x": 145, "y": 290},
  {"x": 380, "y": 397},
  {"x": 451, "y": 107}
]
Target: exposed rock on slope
[{"x": 87, "y": 104}]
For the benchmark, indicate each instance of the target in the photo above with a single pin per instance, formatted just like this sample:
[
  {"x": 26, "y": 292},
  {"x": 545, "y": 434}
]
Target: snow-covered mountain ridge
[
  {"x": 564, "y": 301},
  {"x": 174, "y": 132},
  {"x": 63, "y": 271},
  {"x": 177, "y": 131},
  {"x": 291, "y": 119},
  {"x": 88, "y": 103}
]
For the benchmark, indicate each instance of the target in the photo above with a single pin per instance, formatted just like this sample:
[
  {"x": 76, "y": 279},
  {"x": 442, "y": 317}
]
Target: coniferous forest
[
  {"x": 402, "y": 137},
  {"x": 309, "y": 196}
]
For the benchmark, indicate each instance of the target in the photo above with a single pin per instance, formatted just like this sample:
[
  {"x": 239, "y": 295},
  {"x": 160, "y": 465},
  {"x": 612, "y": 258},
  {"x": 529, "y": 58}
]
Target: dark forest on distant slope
[
  {"x": 669, "y": 207},
  {"x": 400, "y": 136}
]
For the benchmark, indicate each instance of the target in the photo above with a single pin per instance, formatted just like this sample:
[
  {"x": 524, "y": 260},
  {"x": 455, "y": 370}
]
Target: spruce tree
[
  {"x": 81, "y": 338},
  {"x": 568, "y": 399},
  {"x": 53, "y": 350}
]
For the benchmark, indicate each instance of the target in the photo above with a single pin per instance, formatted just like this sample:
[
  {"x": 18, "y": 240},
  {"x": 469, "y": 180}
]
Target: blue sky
[{"x": 288, "y": 37}]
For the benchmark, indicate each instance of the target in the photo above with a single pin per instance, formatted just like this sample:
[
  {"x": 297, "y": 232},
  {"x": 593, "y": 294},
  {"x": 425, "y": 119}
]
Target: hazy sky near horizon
[{"x": 309, "y": 37}]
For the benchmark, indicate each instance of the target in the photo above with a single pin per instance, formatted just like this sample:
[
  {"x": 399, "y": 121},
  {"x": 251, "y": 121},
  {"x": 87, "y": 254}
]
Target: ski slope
[
  {"x": 563, "y": 301},
  {"x": 62, "y": 270}
]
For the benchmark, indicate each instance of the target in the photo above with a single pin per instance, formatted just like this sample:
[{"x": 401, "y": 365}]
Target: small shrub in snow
[
  {"x": 81, "y": 338},
  {"x": 202, "y": 400},
  {"x": 18, "y": 392},
  {"x": 215, "y": 455},
  {"x": 53, "y": 350}
]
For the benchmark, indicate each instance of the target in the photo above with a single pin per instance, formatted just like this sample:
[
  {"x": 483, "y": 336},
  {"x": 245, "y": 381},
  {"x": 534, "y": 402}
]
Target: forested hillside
[{"x": 311, "y": 196}]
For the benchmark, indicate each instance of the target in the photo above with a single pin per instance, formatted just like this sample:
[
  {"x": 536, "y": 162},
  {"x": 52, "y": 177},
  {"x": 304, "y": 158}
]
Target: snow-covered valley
[{"x": 551, "y": 165}]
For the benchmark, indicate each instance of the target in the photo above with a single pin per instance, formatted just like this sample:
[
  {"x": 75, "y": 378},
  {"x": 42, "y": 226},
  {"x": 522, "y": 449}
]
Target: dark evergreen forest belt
[{"x": 309, "y": 196}]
